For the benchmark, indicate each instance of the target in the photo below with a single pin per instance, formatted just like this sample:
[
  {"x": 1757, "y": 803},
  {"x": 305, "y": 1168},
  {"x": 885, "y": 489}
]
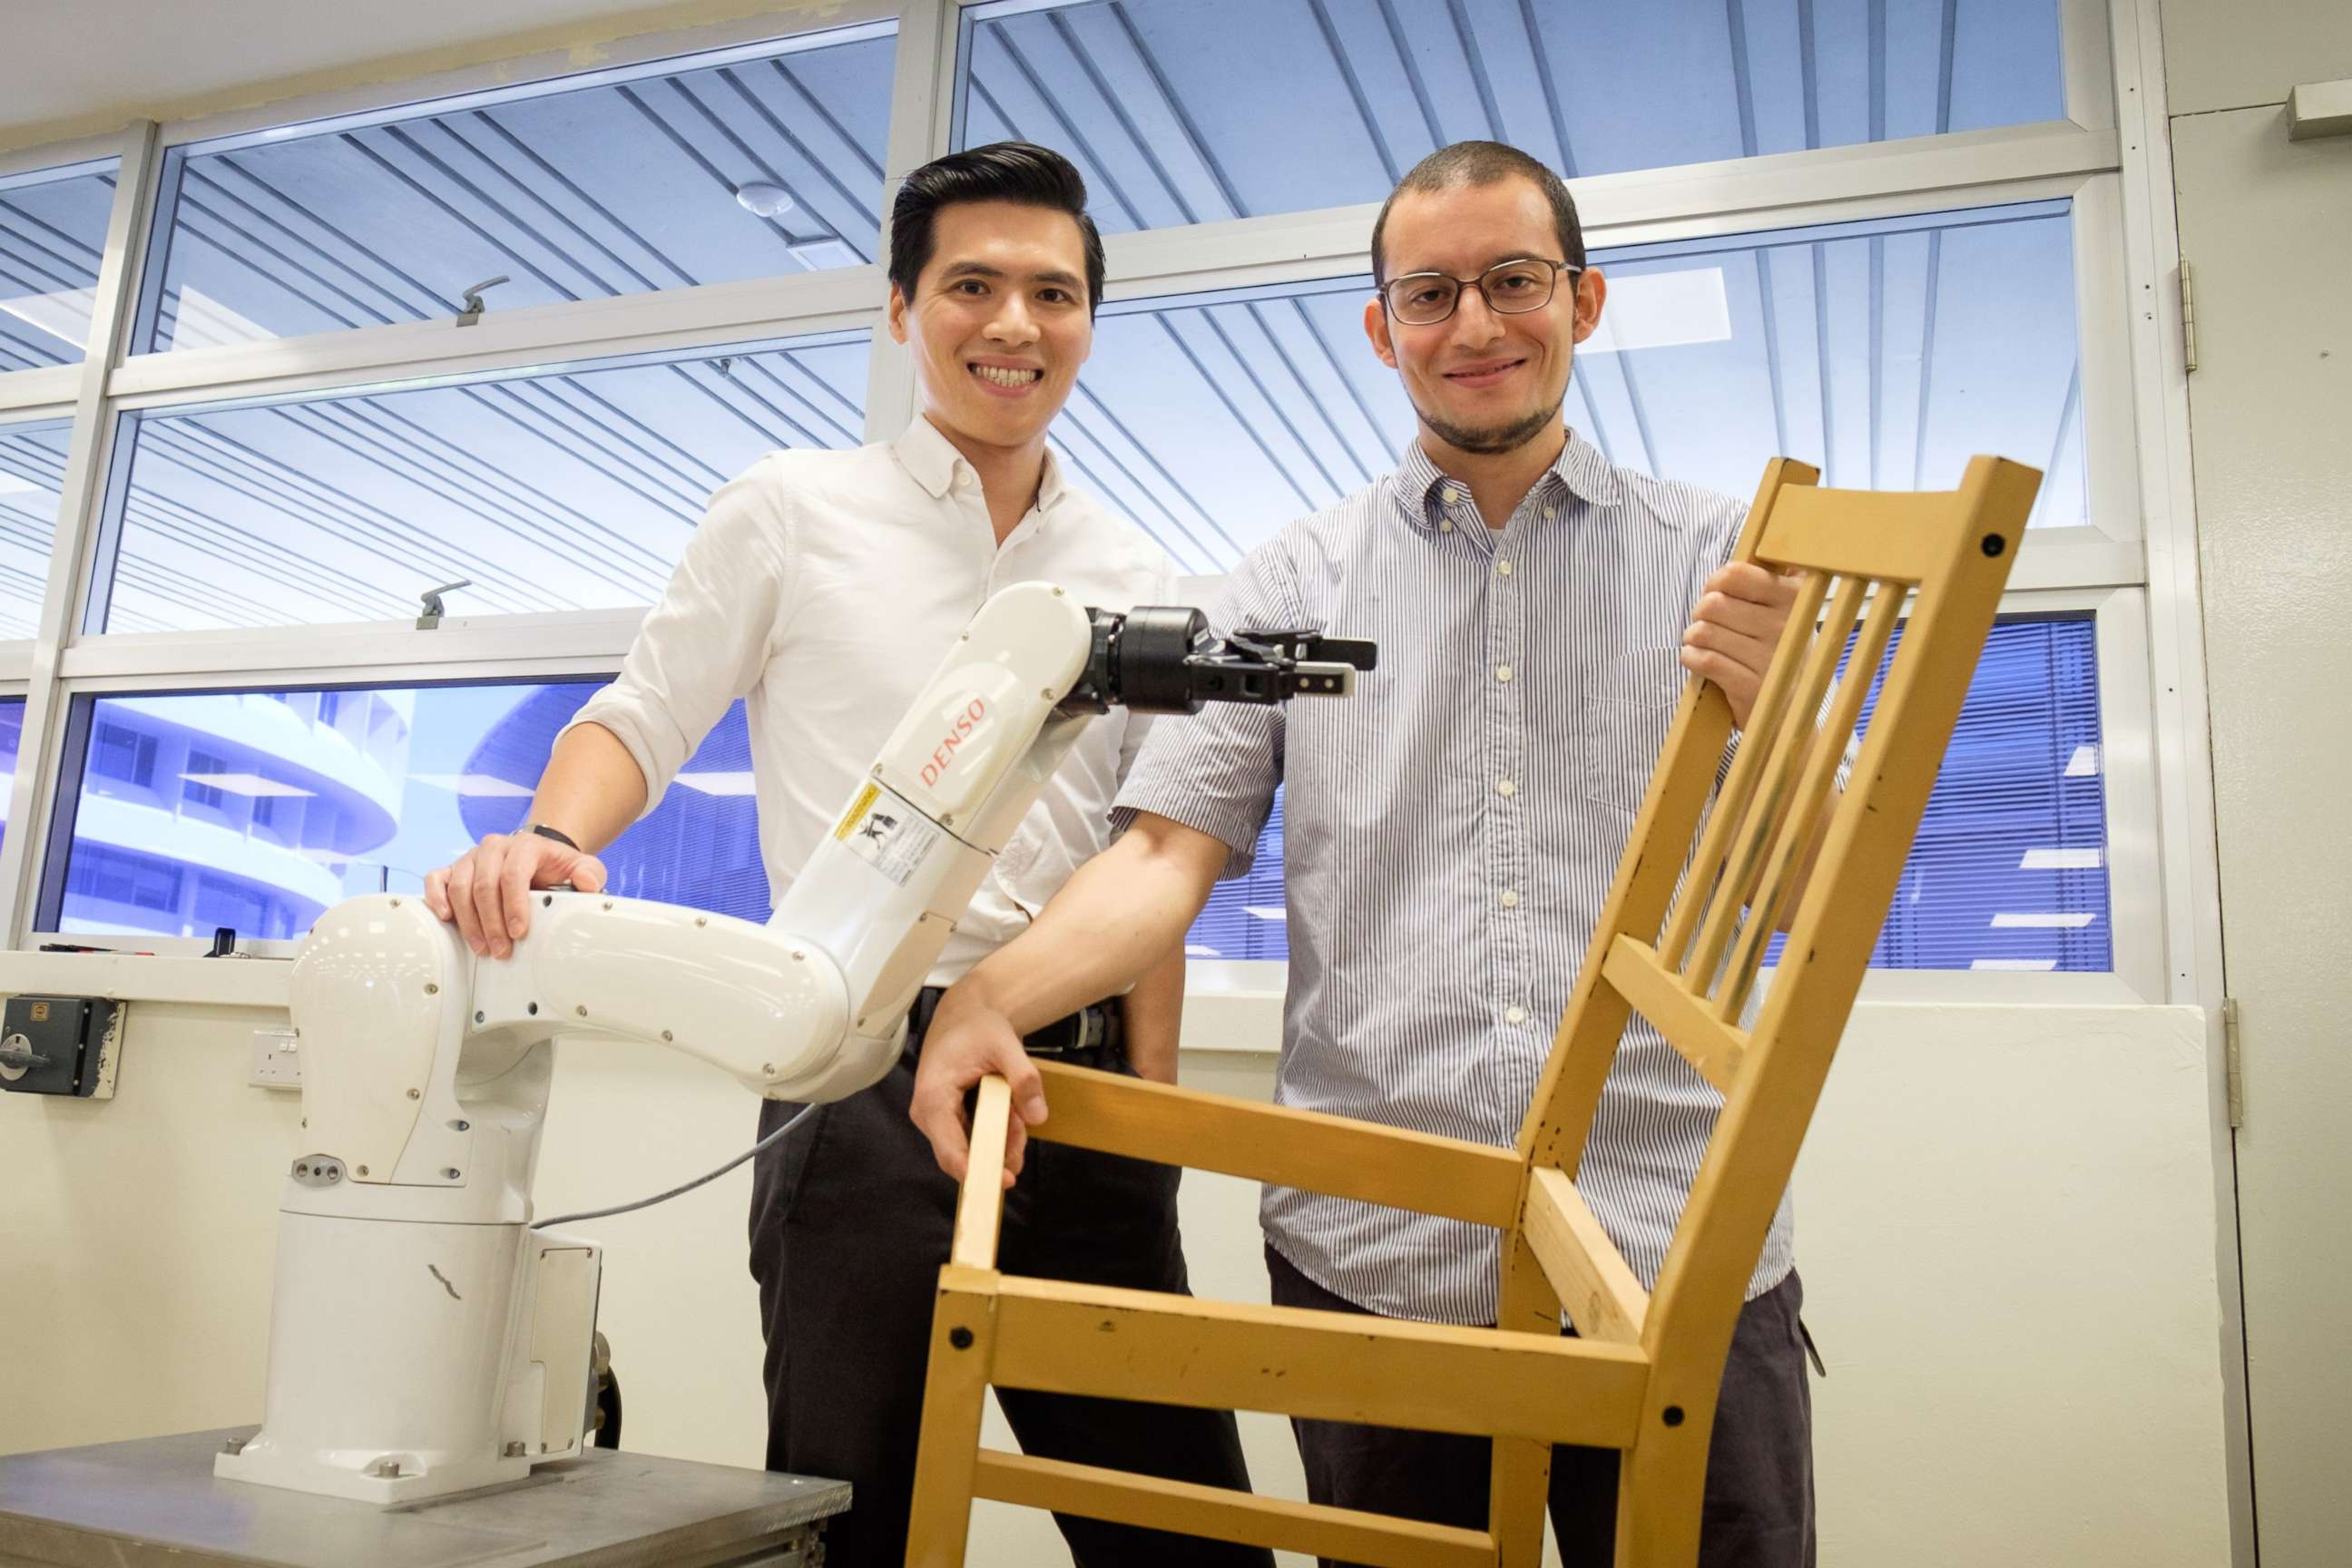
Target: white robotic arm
[{"x": 424, "y": 1340}]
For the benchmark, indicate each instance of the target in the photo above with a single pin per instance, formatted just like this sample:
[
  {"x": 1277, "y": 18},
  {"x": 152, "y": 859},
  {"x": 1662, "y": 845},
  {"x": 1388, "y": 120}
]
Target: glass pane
[
  {"x": 2009, "y": 871},
  {"x": 1214, "y": 420},
  {"x": 748, "y": 169},
  {"x": 1190, "y": 111},
  {"x": 52, "y": 237},
  {"x": 12, "y": 735},
  {"x": 1248, "y": 918},
  {"x": 32, "y": 470},
  {"x": 559, "y": 491},
  {"x": 1888, "y": 353},
  {"x": 259, "y": 810}
]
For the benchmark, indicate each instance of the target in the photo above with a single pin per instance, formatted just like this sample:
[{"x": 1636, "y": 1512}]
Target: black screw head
[
  {"x": 1672, "y": 1415},
  {"x": 1992, "y": 545},
  {"x": 960, "y": 1337}
]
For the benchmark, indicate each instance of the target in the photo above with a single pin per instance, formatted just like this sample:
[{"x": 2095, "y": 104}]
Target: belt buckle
[{"x": 1082, "y": 1032}]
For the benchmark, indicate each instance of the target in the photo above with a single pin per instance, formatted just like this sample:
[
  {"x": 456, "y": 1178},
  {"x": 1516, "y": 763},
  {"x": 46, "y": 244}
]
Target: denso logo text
[{"x": 965, "y": 723}]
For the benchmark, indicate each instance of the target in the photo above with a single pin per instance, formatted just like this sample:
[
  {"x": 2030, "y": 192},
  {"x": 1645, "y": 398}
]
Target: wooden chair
[{"x": 1642, "y": 1376}]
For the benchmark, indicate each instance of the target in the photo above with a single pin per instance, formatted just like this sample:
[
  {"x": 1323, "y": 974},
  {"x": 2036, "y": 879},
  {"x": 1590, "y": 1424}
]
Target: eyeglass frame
[{"x": 1478, "y": 281}]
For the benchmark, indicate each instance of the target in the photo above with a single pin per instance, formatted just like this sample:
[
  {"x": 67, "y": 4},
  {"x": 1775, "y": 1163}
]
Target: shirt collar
[
  {"x": 1425, "y": 494},
  {"x": 932, "y": 462}
]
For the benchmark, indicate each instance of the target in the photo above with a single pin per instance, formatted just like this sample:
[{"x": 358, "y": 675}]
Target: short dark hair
[
  {"x": 1485, "y": 163},
  {"x": 1018, "y": 171}
]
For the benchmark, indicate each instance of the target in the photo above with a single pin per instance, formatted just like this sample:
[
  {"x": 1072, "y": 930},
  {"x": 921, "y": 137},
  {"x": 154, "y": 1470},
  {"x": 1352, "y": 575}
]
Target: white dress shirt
[{"x": 823, "y": 588}]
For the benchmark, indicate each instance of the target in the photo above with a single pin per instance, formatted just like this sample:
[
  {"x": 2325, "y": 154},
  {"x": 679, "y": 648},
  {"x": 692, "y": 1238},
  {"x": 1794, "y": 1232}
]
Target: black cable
[{"x": 769, "y": 1141}]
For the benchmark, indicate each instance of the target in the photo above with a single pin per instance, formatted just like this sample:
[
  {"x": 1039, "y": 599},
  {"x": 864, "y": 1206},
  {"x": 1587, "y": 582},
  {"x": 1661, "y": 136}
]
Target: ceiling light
[{"x": 764, "y": 197}]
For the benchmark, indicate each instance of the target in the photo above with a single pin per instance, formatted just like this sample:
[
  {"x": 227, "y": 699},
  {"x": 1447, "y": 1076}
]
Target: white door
[{"x": 2266, "y": 228}]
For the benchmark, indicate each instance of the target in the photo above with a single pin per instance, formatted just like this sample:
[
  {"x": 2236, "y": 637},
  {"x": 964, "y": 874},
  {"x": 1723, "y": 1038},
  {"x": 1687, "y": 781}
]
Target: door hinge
[
  {"x": 2188, "y": 318},
  {"x": 2234, "y": 1062}
]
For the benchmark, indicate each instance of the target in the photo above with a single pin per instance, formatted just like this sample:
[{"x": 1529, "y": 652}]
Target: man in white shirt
[{"x": 822, "y": 588}]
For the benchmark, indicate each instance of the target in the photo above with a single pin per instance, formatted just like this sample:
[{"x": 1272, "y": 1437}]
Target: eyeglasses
[{"x": 1511, "y": 289}]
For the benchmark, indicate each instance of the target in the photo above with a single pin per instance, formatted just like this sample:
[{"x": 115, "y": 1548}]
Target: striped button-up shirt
[{"x": 1450, "y": 836}]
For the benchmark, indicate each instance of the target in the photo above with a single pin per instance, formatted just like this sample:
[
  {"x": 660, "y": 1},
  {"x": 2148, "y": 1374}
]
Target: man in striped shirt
[{"x": 1450, "y": 836}]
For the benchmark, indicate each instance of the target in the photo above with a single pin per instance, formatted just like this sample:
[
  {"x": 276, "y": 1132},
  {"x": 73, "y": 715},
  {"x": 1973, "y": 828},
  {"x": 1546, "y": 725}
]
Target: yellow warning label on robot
[{"x": 857, "y": 812}]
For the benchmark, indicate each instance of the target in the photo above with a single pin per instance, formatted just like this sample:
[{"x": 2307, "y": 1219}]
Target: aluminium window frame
[{"x": 2099, "y": 160}]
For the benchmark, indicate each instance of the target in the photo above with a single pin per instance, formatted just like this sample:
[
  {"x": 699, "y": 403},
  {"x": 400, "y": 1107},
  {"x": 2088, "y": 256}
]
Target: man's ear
[
  {"x": 1592, "y": 291},
  {"x": 897, "y": 314},
  {"x": 1376, "y": 327}
]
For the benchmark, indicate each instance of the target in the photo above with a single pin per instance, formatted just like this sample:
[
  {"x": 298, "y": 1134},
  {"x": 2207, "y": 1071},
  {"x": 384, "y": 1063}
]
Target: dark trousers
[
  {"x": 850, "y": 1223},
  {"x": 1759, "y": 1512}
]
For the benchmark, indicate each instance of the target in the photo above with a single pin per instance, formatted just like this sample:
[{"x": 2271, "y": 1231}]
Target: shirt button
[
  {"x": 1502, "y": 672},
  {"x": 1551, "y": 515},
  {"x": 1444, "y": 525},
  {"x": 1511, "y": 898},
  {"x": 1515, "y": 1015},
  {"x": 1506, "y": 788},
  {"x": 1502, "y": 568}
]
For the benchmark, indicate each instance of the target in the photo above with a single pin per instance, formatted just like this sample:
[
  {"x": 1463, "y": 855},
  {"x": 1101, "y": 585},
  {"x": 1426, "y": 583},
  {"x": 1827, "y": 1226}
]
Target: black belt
[{"x": 1093, "y": 1033}]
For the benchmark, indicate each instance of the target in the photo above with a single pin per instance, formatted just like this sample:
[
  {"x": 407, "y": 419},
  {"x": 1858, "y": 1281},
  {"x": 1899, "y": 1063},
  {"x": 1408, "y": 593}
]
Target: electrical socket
[{"x": 276, "y": 1063}]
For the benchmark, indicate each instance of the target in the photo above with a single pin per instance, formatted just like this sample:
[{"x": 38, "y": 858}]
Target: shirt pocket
[{"x": 1621, "y": 723}]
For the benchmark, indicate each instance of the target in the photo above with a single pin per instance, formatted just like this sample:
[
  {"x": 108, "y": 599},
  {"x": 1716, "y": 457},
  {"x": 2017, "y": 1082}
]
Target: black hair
[
  {"x": 1016, "y": 171},
  {"x": 1485, "y": 163}
]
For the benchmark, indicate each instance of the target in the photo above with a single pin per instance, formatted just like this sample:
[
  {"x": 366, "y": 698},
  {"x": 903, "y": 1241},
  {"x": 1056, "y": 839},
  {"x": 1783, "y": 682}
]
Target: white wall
[{"x": 2005, "y": 1223}]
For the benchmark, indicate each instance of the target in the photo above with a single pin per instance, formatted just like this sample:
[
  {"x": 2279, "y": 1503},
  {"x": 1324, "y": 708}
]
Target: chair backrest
[{"x": 1708, "y": 875}]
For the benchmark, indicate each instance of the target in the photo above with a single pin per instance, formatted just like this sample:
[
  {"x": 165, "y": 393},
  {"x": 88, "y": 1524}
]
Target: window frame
[{"x": 2109, "y": 155}]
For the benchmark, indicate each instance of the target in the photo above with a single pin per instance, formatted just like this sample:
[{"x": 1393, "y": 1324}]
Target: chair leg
[
  {"x": 1661, "y": 1489},
  {"x": 1521, "y": 1482},
  {"x": 964, "y": 1341}
]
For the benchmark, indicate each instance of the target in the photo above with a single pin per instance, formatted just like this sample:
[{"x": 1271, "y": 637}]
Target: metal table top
[{"x": 155, "y": 1503}]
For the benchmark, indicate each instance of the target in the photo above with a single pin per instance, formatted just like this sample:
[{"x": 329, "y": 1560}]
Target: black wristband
[{"x": 544, "y": 831}]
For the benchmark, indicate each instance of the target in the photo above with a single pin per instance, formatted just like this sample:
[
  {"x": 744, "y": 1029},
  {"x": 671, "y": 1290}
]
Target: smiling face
[
  {"x": 1483, "y": 383},
  {"x": 999, "y": 324}
]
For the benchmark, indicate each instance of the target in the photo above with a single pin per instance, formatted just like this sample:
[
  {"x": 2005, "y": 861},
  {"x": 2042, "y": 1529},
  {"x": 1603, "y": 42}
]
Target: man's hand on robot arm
[{"x": 485, "y": 891}]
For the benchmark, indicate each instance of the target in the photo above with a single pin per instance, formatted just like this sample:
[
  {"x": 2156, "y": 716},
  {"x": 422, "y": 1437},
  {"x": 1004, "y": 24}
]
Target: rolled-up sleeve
[
  {"x": 1216, "y": 771},
  {"x": 707, "y": 642}
]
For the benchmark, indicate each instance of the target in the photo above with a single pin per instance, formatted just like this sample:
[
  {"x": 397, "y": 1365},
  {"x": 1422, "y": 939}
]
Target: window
[
  {"x": 1878, "y": 238},
  {"x": 52, "y": 237},
  {"x": 2008, "y": 871},
  {"x": 768, "y": 164},
  {"x": 548, "y": 492},
  {"x": 1184, "y": 112},
  {"x": 131, "y": 881},
  {"x": 1246, "y": 917},
  {"x": 337, "y": 811},
  {"x": 1888, "y": 353},
  {"x": 117, "y": 751},
  {"x": 32, "y": 475},
  {"x": 278, "y": 818},
  {"x": 200, "y": 788},
  {"x": 12, "y": 736}
]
